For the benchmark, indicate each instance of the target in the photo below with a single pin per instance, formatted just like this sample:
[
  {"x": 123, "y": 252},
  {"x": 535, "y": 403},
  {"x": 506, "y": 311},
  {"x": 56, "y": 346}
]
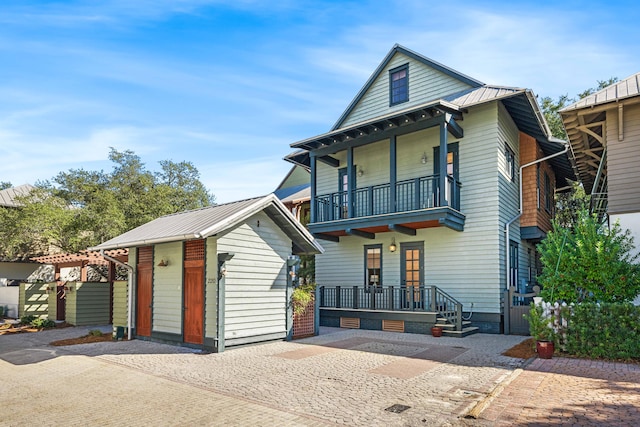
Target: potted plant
[
  {"x": 436, "y": 331},
  {"x": 541, "y": 330},
  {"x": 301, "y": 298}
]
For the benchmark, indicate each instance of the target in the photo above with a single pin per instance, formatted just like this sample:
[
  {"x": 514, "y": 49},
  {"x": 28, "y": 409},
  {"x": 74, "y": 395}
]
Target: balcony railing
[
  {"x": 390, "y": 298},
  {"x": 411, "y": 194}
]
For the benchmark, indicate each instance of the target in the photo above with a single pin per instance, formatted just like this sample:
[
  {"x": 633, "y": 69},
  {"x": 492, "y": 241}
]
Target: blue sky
[{"x": 228, "y": 85}]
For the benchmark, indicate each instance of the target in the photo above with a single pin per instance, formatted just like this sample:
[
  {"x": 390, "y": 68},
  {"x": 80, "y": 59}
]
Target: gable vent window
[{"x": 399, "y": 85}]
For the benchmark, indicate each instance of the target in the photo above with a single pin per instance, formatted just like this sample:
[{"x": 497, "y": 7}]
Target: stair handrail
[{"x": 441, "y": 303}]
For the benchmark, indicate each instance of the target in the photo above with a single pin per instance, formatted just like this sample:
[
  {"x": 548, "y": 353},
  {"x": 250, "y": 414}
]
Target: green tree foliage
[
  {"x": 588, "y": 262},
  {"x": 5, "y": 184},
  {"x": 551, "y": 107},
  {"x": 307, "y": 270},
  {"x": 570, "y": 205},
  {"x": 81, "y": 208}
]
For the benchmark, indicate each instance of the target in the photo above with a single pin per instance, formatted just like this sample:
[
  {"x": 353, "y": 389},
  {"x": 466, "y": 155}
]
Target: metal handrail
[
  {"x": 411, "y": 194},
  {"x": 391, "y": 298}
]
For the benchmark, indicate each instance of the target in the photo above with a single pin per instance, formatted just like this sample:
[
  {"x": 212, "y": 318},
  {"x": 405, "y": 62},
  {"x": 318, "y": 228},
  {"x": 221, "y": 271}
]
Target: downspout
[
  {"x": 129, "y": 288},
  {"x": 515, "y": 218}
]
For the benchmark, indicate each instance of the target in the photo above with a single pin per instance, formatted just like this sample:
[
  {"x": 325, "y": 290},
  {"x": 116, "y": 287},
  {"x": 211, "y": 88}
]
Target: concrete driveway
[{"x": 344, "y": 377}]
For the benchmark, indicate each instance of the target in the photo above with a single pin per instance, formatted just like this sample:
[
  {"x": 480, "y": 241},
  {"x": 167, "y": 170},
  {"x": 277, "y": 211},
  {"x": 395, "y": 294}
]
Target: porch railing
[
  {"x": 411, "y": 194},
  {"x": 413, "y": 299}
]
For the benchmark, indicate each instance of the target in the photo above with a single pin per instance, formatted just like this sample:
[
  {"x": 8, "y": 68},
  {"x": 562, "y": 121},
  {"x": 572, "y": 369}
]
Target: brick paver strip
[
  {"x": 419, "y": 363},
  {"x": 314, "y": 350},
  {"x": 565, "y": 391}
]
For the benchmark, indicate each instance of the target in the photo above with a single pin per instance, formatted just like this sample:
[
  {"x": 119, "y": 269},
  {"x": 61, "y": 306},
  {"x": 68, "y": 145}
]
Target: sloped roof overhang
[
  {"x": 210, "y": 221},
  {"x": 584, "y": 121},
  {"x": 404, "y": 121}
]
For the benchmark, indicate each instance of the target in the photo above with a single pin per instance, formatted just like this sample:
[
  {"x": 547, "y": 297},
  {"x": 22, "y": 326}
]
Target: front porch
[{"x": 397, "y": 309}]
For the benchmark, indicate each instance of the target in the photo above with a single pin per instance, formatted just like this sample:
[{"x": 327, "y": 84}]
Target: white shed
[{"x": 216, "y": 276}]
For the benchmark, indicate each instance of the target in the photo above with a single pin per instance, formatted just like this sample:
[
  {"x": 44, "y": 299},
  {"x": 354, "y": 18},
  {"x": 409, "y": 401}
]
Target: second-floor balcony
[{"x": 410, "y": 204}]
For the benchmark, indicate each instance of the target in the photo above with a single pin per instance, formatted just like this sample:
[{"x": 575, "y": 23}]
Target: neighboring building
[
  {"x": 216, "y": 276},
  {"x": 295, "y": 193},
  {"x": 12, "y": 271},
  {"x": 604, "y": 133},
  {"x": 414, "y": 190}
]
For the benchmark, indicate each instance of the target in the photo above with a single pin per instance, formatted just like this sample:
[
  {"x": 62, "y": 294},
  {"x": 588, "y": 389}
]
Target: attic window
[{"x": 399, "y": 85}]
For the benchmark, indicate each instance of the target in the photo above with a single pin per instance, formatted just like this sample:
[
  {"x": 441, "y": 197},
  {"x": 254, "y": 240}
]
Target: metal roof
[
  {"x": 626, "y": 88},
  {"x": 585, "y": 124},
  {"x": 520, "y": 103},
  {"x": 302, "y": 194},
  {"x": 8, "y": 195},
  {"x": 294, "y": 193},
  {"x": 209, "y": 221}
]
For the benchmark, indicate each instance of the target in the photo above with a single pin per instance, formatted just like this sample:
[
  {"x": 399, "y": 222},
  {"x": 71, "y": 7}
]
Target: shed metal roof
[
  {"x": 205, "y": 222},
  {"x": 8, "y": 195}
]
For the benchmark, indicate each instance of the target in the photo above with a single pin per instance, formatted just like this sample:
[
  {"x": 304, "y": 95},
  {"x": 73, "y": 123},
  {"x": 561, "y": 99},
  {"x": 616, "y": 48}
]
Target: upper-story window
[
  {"x": 510, "y": 159},
  {"x": 548, "y": 193},
  {"x": 399, "y": 85}
]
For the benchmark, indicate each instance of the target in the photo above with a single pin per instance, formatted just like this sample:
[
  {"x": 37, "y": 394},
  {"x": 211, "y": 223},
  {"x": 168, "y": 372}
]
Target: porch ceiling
[
  {"x": 404, "y": 223},
  {"x": 425, "y": 115}
]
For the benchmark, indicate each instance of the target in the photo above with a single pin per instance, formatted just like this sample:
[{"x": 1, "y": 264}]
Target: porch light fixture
[
  {"x": 423, "y": 160},
  {"x": 392, "y": 246},
  {"x": 360, "y": 172},
  {"x": 163, "y": 263}
]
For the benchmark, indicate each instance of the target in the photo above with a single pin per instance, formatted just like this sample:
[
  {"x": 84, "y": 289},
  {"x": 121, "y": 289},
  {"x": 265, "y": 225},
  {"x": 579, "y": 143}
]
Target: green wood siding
[
  {"x": 298, "y": 176},
  {"x": 255, "y": 281},
  {"x": 52, "y": 301},
  {"x": 33, "y": 300},
  {"x": 120, "y": 303},
  {"x": 425, "y": 84},
  {"x": 508, "y": 190},
  {"x": 167, "y": 288},
  {"x": 469, "y": 264},
  {"x": 87, "y": 303}
]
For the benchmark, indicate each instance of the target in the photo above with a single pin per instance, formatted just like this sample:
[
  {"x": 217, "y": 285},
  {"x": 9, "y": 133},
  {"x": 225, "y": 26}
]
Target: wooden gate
[
  {"x": 61, "y": 299},
  {"x": 517, "y": 305}
]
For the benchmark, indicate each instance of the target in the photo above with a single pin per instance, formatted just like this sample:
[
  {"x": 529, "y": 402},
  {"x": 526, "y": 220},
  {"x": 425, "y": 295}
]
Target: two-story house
[{"x": 416, "y": 194}]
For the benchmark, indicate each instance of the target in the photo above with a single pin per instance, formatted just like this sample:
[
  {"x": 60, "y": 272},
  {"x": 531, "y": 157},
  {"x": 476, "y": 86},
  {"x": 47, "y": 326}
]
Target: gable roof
[
  {"x": 627, "y": 88},
  {"x": 413, "y": 55},
  {"x": 209, "y": 221},
  {"x": 8, "y": 195}
]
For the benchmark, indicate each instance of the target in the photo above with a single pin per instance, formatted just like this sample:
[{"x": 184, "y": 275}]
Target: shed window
[{"x": 399, "y": 85}]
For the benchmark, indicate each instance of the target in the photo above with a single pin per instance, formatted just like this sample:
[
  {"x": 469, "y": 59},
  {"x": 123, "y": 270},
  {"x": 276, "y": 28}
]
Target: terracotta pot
[
  {"x": 436, "y": 331},
  {"x": 545, "y": 349}
]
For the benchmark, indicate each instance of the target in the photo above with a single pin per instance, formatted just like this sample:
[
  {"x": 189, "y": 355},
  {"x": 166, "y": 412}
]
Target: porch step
[
  {"x": 469, "y": 330},
  {"x": 442, "y": 322}
]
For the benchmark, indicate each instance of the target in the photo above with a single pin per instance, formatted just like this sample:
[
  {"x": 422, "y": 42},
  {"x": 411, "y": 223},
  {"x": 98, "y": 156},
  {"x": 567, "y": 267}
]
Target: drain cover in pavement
[{"x": 397, "y": 408}]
